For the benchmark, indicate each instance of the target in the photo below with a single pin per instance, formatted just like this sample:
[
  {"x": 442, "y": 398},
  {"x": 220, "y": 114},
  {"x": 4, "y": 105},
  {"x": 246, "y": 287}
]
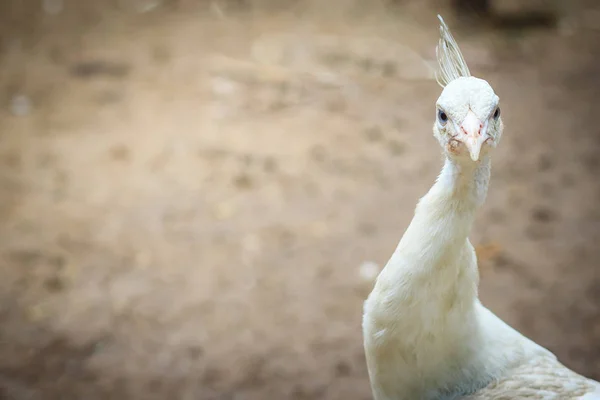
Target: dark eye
[
  {"x": 442, "y": 117},
  {"x": 497, "y": 113}
]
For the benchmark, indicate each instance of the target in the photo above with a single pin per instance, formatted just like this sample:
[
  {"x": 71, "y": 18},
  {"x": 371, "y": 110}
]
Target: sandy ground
[{"x": 193, "y": 200}]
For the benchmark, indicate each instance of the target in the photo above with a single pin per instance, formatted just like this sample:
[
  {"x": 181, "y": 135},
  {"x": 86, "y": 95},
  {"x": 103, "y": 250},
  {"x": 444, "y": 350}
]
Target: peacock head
[{"x": 468, "y": 123}]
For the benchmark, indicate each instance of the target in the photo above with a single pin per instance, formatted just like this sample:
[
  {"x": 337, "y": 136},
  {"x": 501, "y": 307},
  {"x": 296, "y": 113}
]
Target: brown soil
[{"x": 191, "y": 196}]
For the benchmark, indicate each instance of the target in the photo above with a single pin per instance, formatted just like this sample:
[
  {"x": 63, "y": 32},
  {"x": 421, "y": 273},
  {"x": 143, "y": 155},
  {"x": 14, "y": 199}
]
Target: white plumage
[{"x": 426, "y": 334}]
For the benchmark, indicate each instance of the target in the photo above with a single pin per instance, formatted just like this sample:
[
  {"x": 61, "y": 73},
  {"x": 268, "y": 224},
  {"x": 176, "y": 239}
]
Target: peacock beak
[{"x": 474, "y": 134}]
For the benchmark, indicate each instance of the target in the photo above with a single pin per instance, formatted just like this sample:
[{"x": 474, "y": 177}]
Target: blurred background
[{"x": 196, "y": 196}]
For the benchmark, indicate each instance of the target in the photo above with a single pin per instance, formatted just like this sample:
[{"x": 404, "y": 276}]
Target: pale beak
[{"x": 475, "y": 134}]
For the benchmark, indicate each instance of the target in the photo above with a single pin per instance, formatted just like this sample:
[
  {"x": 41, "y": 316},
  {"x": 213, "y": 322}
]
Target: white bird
[{"x": 426, "y": 334}]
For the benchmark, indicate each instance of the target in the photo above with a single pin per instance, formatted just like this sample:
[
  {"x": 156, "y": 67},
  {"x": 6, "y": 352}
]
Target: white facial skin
[{"x": 468, "y": 122}]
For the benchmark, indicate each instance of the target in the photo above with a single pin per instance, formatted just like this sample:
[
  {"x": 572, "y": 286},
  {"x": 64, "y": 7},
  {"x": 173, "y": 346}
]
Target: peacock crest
[{"x": 452, "y": 64}]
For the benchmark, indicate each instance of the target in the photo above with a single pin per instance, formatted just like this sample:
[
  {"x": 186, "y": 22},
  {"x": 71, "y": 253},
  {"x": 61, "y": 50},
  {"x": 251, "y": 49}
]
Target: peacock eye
[
  {"x": 497, "y": 113},
  {"x": 442, "y": 117}
]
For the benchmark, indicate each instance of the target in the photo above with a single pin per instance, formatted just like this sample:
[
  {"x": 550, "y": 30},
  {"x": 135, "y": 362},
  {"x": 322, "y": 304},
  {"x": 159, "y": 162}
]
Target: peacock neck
[
  {"x": 448, "y": 209},
  {"x": 463, "y": 183},
  {"x": 436, "y": 241}
]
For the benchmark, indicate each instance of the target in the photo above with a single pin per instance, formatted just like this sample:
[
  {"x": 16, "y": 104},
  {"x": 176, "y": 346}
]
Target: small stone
[
  {"x": 142, "y": 259},
  {"x": 243, "y": 181},
  {"x": 223, "y": 86},
  {"x": 20, "y": 105},
  {"x": 396, "y": 148},
  {"x": 318, "y": 153},
  {"x": 543, "y": 215},
  {"x": 488, "y": 251},
  {"x": 367, "y": 228},
  {"x": 54, "y": 284},
  {"x": 369, "y": 271},
  {"x": 545, "y": 162},
  {"x": 374, "y": 134},
  {"x": 270, "y": 165},
  {"x": 224, "y": 211},
  {"x": 319, "y": 229},
  {"x": 251, "y": 244},
  {"x": 36, "y": 312},
  {"x": 120, "y": 153},
  {"x": 342, "y": 368},
  {"x": 53, "y": 7}
]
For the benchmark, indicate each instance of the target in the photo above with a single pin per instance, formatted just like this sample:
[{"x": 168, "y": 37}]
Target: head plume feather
[{"x": 451, "y": 62}]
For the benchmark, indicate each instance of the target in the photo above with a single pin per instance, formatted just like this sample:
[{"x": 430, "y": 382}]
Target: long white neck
[
  {"x": 466, "y": 183},
  {"x": 443, "y": 218},
  {"x": 440, "y": 258},
  {"x": 422, "y": 311}
]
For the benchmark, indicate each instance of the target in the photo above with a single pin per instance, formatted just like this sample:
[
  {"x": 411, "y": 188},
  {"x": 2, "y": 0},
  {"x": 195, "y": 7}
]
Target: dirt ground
[{"x": 194, "y": 199}]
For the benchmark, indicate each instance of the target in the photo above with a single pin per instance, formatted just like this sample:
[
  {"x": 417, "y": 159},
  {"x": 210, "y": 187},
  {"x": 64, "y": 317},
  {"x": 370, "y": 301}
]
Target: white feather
[
  {"x": 594, "y": 395},
  {"x": 452, "y": 64}
]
